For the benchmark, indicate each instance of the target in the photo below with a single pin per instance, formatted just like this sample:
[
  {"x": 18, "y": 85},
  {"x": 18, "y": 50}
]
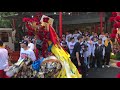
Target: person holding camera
[{"x": 77, "y": 56}]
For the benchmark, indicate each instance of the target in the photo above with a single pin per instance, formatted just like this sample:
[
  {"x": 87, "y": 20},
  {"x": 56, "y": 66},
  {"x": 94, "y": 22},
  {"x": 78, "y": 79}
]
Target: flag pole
[{"x": 60, "y": 25}]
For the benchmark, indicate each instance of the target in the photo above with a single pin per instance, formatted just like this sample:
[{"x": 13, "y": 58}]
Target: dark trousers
[
  {"x": 82, "y": 68},
  {"x": 107, "y": 58},
  {"x": 93, "y": 62},
  {"x": 99, "y": 61}
]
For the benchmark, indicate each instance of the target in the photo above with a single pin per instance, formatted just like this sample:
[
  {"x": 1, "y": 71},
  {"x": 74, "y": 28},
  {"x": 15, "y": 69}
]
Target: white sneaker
[
  {"x": 103, "y": 66},
  {"x": 108, "y": 66},
  {"x": 88, "y": 67}
]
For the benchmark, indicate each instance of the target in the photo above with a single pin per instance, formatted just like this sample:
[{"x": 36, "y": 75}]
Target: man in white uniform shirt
[
  {"x": 30, "y": 45},
  {"x": 71, "y": 45},
  {"x": 68, "y": 36},
  {"x": 92, "y": 35},
  {"x": 75, "y": 35},
  {"x": 26, "y": 52},
  {"x": 3, "y": 60}
]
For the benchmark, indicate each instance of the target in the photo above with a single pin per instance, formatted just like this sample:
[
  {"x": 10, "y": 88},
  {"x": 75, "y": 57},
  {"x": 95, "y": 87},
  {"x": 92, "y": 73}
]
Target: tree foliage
[{"x": 6, "y": 23}]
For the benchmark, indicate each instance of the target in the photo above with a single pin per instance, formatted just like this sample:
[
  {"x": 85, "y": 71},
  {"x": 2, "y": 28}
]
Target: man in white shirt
[
  {"x": 95, "y": 41},
  {"x": 71, "y": 45},
  {"x": 101, "y": 35},
  {"x": 92, "y": 35},
  {"x": 26, "y": 52},
  {"x": 68, "y": 36},
  {"x": 104, "y": 38},
  {"x": 30, "y": 45},
  {"x": 75, "y": 35},
  {"x": 3, "y": 60}
]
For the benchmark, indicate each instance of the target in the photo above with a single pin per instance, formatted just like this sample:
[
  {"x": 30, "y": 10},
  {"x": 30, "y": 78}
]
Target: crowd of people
[
  {"x": 26, "y": 51},
  {"x": 88, "y": 50}
]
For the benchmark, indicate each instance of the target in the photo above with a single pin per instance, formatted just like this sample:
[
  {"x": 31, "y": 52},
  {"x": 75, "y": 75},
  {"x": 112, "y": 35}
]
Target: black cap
[{"x": 24, "y": 42}]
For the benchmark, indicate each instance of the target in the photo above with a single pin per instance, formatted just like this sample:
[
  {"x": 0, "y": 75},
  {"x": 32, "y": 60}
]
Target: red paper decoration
[
  {"x": 114, "y": 31},
  {"x": 112, "y": 19},
  {"x": 117, "y": 18},
  {"x": 118, "y": 64},
  {"x": 114, "y": 14},
  {"x": 113, "y": 35}
]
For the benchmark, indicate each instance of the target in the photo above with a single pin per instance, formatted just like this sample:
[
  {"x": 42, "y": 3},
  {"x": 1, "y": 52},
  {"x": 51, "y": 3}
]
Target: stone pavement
[{"x": 104, "y": 72}]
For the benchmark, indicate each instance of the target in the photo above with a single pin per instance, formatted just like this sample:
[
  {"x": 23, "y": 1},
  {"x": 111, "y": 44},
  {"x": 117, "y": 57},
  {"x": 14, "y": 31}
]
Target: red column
[
  {"x": 60, "y": 24},
  {"x": 101, "y": 21}
]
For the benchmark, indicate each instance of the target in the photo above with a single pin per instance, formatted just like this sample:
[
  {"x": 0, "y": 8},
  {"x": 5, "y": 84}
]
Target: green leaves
[
  {"x": 6, "y": 14},
  {"x": 6, "y": 23},
  {"x": 115, "y": 56}
]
